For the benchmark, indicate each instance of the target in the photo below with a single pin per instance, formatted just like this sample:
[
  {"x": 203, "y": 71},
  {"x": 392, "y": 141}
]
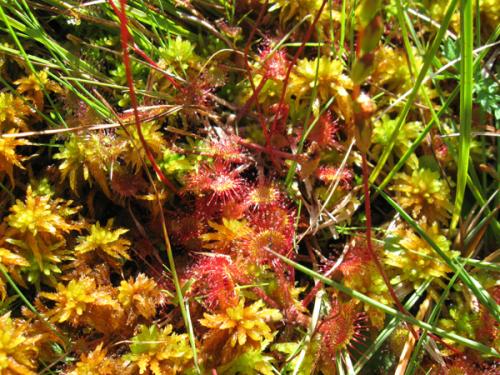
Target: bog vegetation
[{"x": 249, "y": 187}]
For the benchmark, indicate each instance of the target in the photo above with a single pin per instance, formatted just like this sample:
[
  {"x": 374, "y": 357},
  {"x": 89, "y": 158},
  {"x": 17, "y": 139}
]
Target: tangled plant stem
[
  {"x": 260, "y": 145},
  {"x": 125, "y": 39}
]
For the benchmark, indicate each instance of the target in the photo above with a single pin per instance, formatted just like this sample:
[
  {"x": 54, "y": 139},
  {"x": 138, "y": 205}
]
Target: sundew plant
[{"x": 249, "y": 187}]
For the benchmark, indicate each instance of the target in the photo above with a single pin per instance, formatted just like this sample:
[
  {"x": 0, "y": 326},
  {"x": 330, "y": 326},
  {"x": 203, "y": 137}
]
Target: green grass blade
[
  {"x": 389, "y": 328},
  {"x": 423, "y": 72},
  {"x": 455, "y": 265},
  {"x": 413, "y": 363},
  {"x": 389, "y": 310},
  {"x": 466, "y": 86}
]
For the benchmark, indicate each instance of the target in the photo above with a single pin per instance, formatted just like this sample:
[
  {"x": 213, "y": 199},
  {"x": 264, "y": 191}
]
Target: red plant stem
[
  {"x": 368, "y": 211},
  {"x": 293, "y": 62},
  {"x": 249, "y": 102},
  {"x": 152, "y": 63},
  {"x": 256, "y": 92},
  {"x": 271, "y": 151},
  {"x": 307, "y": 300},
  {"x": 125, "y": 37},
  {"x": 371, "y": 252}
]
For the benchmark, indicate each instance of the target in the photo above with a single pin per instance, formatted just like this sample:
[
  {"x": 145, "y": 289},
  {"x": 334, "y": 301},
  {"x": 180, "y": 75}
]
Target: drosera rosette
[
  {"x": 187, "y": 226},
  {"x": 267, "y": 75},
  {"x": 213, "y": 281},
  {"x": 359, "y": 272},
  {"x": 273, "y": 228},
  {"x": 218, "y": 180},
  {"x": 413, "y": 259},
  {"x": 264, "y": 194},
  {"x": 342, "y": 329},
  {"x": 328, "y": 174},
  {"x": 325, "y": 132},
  {"x": 224, "y": 147}
]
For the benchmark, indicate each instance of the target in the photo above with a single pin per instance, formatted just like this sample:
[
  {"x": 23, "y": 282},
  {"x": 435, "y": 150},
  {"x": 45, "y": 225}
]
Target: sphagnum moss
[{"x": 177, "y": 176}]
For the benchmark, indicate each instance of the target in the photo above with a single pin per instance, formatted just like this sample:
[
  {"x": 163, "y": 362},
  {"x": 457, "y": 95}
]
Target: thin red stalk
[
  {"x": 249, "y": 102},
  {"x": 247, "y": 105},
  {"x": 293, "y": 62},
  {"x": 152, "y": 63},
  {"x": 125, "y": 37},
  {"x": 271, "y": 151},
  {"x": 368, "y": 211},
  {"x": 307, "y": 300},
  {"x": 370, "y": 247}
]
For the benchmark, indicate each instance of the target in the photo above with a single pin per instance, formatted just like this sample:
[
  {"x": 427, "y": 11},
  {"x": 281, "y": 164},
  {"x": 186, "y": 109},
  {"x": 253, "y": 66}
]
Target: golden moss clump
[
  {"x": 88, "y": 157},
  {"x": 98, "y": 362},
  {"x": 327, "y": 75},
  {"x": 83, "y": 303},
  {"x": 369, "y": 282},
  {"x": 33, "y": 87},
  {"x": 36, "y": 230},
  {"x": 361, "y": 273},
  {"x": 105, "y": 240},
  {"x": 40, "y": 214},
  {"x": 159, "y": 351},
  {"x": 382, "y": 132},
  {"x": 415, "y": 258},
  {"x": 490, "y": 12},
  {"x": 18, "y": 351},
  {"x": 392, "y": 70},
  {"x": 135, "y": 154},
  {"x": 10, "y": 260},
  {"x": 298, "y": 9},
  {"x": 425, "y": 194},
  {"x": 13, "y": 112},
  {"x": 239, "y": 328},
  {"x": 140, "y": 296},
  {"x": 178, "y": 55},
  {"x": 8, "y": 157}
]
